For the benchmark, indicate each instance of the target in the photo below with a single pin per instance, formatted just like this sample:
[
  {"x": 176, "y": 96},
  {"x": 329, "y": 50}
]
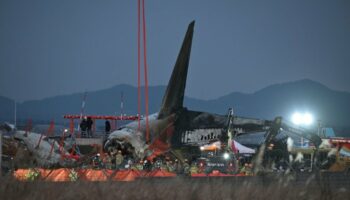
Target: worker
[
  {"x": 89, "y": 123},
  {"x": 164, "y": 166},
  {"x": 119, "y": 159},
  {"x": 96, "y": 161},
  {"x": 249, "y": 171},
  {"x": 139, "y": 166},
  {"x": 177, "y": 167},
  {"x": 194, "y": 169},
  {"x": 130, "y": 164},
  {"x": 83, "y": 127},
  {"x": 170, "y": 166},
  {"x": 107, "y": 128},
  {"x": 107, "y": 160},
  {"x": 244, "y": 169},
  {"x": 186, "y": 167},
  {"x": 147, "y": 165}
]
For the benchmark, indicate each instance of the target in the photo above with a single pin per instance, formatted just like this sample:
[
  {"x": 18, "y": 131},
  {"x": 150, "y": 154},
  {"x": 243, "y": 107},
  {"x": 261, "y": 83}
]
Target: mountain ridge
[{"x": 281, "y": 99}]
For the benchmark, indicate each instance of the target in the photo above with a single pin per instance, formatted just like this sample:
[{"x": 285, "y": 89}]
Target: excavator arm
[{"x": 301, "y": 132}]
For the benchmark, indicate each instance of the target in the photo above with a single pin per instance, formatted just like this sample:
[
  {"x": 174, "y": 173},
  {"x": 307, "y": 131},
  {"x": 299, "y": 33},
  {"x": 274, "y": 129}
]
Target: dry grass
[{"x": 181, "y": 188}]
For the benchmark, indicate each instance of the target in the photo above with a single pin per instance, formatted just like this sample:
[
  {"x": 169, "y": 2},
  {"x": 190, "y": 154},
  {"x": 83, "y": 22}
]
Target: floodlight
[
  {"x": 297, "y": 118},
  {"x": 226, "y": 156},
  {"x": 302, "y": 119},
  {"x": 308, "y": 119}
]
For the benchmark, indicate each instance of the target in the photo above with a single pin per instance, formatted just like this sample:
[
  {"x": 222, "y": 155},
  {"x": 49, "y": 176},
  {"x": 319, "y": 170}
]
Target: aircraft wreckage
[
  {"x": 30, "y": 149},
  {"x": 173, "y": 130},
  {"x": 180, "y": 132}
]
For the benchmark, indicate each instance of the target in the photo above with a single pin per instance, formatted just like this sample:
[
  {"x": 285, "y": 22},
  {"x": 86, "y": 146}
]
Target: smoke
[{"x": 290, "y": 143}]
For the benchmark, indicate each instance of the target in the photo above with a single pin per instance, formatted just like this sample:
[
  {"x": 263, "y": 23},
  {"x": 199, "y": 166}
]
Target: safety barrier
[{"x": 65, "y": 174}]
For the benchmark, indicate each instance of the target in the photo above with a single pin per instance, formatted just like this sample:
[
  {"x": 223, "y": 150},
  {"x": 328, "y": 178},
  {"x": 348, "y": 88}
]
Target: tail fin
[{"x": 174, "y": 94}]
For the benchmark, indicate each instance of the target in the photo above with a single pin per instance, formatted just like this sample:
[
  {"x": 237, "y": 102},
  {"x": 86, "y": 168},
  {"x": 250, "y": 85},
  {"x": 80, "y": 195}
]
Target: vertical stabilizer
[{"x": 174, "y": 94}]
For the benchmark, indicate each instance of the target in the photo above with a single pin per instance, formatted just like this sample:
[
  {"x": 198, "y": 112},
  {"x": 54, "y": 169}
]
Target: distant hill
[
  {"x": 332, "y": 107},
  {"x": 102, "y": 102}
]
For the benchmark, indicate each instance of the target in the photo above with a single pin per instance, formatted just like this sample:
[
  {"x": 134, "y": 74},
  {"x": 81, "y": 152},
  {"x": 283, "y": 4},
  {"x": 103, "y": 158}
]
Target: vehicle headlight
[{"x": 226, "y": 156}]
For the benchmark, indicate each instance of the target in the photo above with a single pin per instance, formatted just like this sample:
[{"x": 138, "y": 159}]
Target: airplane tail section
[{"x": 174, "y": 94}]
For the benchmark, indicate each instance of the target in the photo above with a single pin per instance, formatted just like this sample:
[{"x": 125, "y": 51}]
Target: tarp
[
  {"x": 199, "y": 175},
  {"x": 57, "y": 175},
  {"x": 93, "y": 175},
  {"x": 63, "y": 174},
  {"x": 243, "y": 149},
  {"x": 217, "y": 173},
  {"x": 160, "y": 173},
  {"x": 20, "y": 174},
  {"x": 125, "y": 175}
]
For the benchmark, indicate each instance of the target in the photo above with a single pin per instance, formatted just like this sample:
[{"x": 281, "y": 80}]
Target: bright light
[
  {"x": 308, "y": 119},
  {"x": 302, "y": 119},
  {"x": 297, "y": 118},
  {"x": 226, "y": 156},
  {"x": 201, "y": 148},
  {"x": 65, "y": 130}
]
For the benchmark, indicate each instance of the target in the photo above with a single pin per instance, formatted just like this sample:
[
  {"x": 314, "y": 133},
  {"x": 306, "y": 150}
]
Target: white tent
[{"x": 242, "y": 149}]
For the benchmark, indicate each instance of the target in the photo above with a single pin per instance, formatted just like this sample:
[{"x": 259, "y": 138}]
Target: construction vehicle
[
  {"x": 221, "y": 155},
  {"x": 217, "y": 152}
]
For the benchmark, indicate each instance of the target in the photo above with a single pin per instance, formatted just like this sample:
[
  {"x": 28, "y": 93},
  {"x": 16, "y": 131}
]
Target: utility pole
[
  {"x": 15, "y": 123},
  {"x": 82, "y": 109},
  {"x": 319, "y": 128},
  {"x": 121, "y": 104}
]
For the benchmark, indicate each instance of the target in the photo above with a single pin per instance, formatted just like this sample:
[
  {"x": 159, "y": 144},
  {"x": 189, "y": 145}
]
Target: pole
[
  {"x": 139, "y": 63},
  {"x": 302, "y": 141},
  {"x": 145, "y": 69},
  {"x": 82, "y": 109},
  {"x": 15, "y": 114},
  {"x": 312, "y": 161},
  {"x": 319, "y": 128},
  {"x": 121, "y": 105}
]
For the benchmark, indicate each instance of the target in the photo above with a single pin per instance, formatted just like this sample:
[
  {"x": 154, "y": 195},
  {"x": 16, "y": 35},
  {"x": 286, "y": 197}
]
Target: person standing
[
  {"x": 194, "y": 168},
  {"x": 119, "y": 160},
  {"x": 107, "y": 128},
  {"x": 83, "y": 127},
  {"x": 186, "y": 167},
  {"x": 89, "y": 123}
]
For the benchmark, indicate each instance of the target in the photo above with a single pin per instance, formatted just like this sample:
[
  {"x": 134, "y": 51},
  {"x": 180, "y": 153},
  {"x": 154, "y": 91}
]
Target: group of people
[
  {"x": 116, "y": 160},
  {"x": 246, "y": 169},
  {"x": 86, "y": 127}
]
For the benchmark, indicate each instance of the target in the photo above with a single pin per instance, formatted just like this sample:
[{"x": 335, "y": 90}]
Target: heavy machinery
[{"x": 224, "y": 156}]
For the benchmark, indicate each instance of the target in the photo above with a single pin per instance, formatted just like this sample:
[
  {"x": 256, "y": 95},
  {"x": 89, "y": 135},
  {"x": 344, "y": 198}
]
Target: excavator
[{"x": 226, "y": 156}]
